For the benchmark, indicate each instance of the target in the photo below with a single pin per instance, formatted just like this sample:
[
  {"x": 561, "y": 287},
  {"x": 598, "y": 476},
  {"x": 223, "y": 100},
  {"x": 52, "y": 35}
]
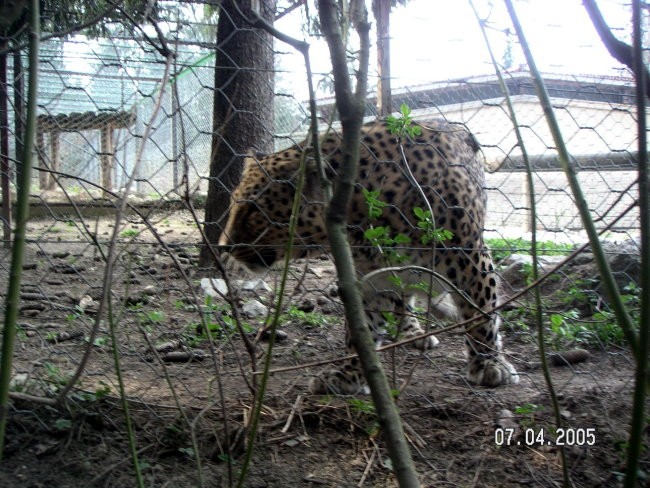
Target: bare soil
[{"x": 188, "y": 417}]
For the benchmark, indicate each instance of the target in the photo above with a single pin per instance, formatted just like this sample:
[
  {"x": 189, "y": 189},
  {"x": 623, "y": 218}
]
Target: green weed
[
  {"x": 403, "y": 124},
  {"x": 308, "y": 319},
  {"x": 129, "y": 233},
  {"x": 502, "y": 248}
]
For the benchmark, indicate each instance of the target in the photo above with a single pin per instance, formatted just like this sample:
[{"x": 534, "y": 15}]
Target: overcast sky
[{"x": 434, "y": 40}]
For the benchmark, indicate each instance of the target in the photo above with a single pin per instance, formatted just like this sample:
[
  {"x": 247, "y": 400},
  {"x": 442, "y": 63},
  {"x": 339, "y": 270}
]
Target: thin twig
[
  {"x": 294, "y": 409},
  {"x": 369, "y": 465}
]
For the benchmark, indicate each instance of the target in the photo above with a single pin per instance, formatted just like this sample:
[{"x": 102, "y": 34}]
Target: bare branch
[{"x": 619, "y": 50}]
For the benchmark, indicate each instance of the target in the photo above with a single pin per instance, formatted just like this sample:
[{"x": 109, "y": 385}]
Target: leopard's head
[{"x": 257, "y": 230}]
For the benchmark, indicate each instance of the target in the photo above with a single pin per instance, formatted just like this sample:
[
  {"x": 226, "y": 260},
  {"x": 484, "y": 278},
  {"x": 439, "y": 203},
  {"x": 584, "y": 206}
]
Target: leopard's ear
[{"x": 251, "y": 163}]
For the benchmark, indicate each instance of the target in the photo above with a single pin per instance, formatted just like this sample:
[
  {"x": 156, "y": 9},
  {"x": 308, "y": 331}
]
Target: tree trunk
[
  {"x": 381, "y": 11},
  {"x": 243, "y": 107},
  {"x": 19, "y": 110},
  {"x": 4, "y": 149}
]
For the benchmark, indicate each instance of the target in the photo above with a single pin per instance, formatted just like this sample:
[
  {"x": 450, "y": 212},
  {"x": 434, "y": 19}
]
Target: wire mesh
[{"x": 182, "y": 347}]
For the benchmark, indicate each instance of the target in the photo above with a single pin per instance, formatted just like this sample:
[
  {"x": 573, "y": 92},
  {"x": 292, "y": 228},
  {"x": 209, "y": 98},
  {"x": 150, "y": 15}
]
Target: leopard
[{"x": 435, "y": 166}]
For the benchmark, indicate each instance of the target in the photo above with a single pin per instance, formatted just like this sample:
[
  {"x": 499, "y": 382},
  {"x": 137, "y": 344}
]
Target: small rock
[
  {"x": 63, "y": 336},
  {"x": 65, "y": 268},
  {"x": 18, "y": 381},
  {"x": 306, "y": 305},
  {"x": 280, "y": 335},
  {"x": 330, "y": 308},
  {"x": 61, "y": 254},
  {"x": 506, "y": 420},
  {"x": 214, "y": 287},
  {"x": 149, "y": 290},
  {"x": 516, "y": 268},
  {"x": 254, "y": 309},
  {"x": 184, "y": 356},
  {"x": 566, "y": 358},
  {"x": 255, "y": 285},
  {"x": 87, "y": 303}
]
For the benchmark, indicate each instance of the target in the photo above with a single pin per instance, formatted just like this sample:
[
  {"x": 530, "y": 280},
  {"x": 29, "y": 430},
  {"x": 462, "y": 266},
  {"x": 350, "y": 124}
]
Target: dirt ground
[{"x": 188, "y": 416}]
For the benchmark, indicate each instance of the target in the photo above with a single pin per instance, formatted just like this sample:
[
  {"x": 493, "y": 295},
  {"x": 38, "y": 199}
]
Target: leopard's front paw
[
  {"x": 411, "y": 329},
  {"x": 492, "y": 371},
  {"x": 426, "y": 343}
]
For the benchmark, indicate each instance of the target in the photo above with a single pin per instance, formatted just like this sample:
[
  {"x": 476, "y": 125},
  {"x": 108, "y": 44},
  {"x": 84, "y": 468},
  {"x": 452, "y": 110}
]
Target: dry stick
[
  {"x": 100, "y": 476},
  {"x": 77, "y": 28},
  {"x": 110, "y": 258},
  {"x": 609, "y": 283},
  {"x": 177, "y": 265},
  {"x": 620, "y": 310},
  {"x": 258, "y": 399},
  {"x": 366, "y": 471},
  {"x": 165, "y": 371},
  {"x": 231, "y": 299},
  {"x": 106, "y": 301},
  {"x": 22, "y": 213},
  {"x": 215, "y": 363},
  {"x": 616, "y": 201},
  {"x": 351, "y": 107},
  {"x": 638, "y": 421},
  {"x": 16, "y": 395},
  {"x": 533, "y": 250},
  {"x": 294, "y": 408}
]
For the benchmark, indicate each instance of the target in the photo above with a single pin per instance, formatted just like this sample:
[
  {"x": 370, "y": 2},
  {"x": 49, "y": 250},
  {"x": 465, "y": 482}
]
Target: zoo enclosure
[
  {"x": 86, "y": 82},
  {"x": 119, "y": 76}
]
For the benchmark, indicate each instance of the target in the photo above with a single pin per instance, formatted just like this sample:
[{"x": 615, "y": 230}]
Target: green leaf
[
  {"x": 375, "y": 233},
  {"x": 421, "y": 214},
  {"x": 63, "y": 424},
  {"x": 556, "y": 321},
  {"x": 402, "y": 239}
]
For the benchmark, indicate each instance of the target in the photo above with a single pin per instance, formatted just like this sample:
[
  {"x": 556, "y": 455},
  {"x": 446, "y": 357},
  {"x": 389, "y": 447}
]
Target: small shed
[{"x": 105, "y": 122}]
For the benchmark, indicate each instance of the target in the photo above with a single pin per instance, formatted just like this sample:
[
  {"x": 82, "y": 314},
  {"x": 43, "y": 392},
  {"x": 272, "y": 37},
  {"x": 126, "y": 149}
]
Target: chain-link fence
[{"x": 114, "y": 294}]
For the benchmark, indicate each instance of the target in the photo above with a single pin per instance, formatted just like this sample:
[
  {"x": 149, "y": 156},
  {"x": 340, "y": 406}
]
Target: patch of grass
[
  {"x": 218, "y": 323},
  {"x": 528, "y": 412},
  {"x": 502, "y": 248},
  {"x": 308, "y": 319},
  {"x": 600, "y": 329},
  {"x": 129, "y": 233}
]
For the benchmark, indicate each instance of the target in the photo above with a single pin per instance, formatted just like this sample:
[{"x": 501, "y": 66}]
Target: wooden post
[
  {"x": 54, "y": 158},
  {"x": 106, "y": 157},
  {"x": 529, "y": 219},
  {"x": 40, "y": 151},
  {"x": 381, "y": 10},
  {"x": 5, "y": 175}
]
